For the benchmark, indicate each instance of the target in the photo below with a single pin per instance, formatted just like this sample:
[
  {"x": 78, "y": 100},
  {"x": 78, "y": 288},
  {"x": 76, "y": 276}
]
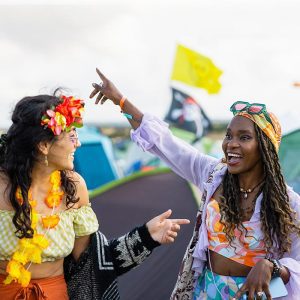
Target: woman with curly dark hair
[
  {"x": 247, "y": 234},
  {"x": 45, "y": 211}
]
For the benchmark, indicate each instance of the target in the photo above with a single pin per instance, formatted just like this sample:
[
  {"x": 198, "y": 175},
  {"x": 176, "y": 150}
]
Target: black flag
[{"x": 186, "y": 113}]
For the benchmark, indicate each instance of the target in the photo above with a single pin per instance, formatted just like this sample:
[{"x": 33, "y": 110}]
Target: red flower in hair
[{"x": 64, "y": 116}]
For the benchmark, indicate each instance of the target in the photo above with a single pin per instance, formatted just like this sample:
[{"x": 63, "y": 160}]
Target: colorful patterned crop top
[
  {"x": 246, "y": 249},
  {"x": 73, "y": 223}
]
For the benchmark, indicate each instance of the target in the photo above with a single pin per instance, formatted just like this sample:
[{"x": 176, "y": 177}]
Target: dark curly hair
[
  {"x": 19, "y": 152},
  {"x": 277, "y": 217}
]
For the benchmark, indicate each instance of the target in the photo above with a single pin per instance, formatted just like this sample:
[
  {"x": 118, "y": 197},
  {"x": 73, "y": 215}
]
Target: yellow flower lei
[{"x": 30, "y": 250}]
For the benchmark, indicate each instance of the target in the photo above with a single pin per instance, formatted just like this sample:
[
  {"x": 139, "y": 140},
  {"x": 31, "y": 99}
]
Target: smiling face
[
  {"x": 61, "y": 152},
  {"x": 241, "y": 148}
]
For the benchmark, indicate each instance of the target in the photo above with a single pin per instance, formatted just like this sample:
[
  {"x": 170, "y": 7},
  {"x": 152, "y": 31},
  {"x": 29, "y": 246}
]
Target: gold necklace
[{"x": 247, "y": 191}]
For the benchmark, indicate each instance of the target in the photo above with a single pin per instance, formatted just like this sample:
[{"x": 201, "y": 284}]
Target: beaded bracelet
[{"x": 276, "y": 267}]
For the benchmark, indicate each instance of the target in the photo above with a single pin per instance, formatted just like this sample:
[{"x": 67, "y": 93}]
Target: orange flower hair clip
[{"x": 64, "y": 116}]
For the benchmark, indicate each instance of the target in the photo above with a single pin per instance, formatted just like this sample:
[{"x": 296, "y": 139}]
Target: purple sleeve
[
  {"x": 154, "y": 136},
  {"x": 291, "y": 260}
]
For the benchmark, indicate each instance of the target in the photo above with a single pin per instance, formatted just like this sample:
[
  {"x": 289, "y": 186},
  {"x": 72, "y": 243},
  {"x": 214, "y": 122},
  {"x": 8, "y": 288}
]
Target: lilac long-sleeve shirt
[{"x": 154, "y": 136}]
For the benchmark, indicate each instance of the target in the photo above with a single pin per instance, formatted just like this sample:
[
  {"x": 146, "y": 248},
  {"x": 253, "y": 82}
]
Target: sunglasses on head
[{"x": 250, "y": 108}]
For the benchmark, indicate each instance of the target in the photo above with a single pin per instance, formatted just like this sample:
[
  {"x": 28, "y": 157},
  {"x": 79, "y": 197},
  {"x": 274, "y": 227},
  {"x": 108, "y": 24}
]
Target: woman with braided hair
[{"x": 246, "y": 241}]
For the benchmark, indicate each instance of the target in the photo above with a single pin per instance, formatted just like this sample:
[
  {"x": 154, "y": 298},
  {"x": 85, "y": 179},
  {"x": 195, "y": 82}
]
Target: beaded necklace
[
  {"x": 247, "y": 191},
  {"x": 29, "y": 250}
]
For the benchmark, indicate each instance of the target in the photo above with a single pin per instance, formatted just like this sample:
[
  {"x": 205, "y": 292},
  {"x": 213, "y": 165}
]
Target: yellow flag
[{"x": 197, "y": 70}]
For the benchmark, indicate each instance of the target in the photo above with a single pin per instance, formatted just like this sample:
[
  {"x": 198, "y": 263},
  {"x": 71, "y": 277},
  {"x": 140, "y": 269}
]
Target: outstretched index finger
[
  {"x": 180, "y": 221},
  {"x": 101, "y": 75}
]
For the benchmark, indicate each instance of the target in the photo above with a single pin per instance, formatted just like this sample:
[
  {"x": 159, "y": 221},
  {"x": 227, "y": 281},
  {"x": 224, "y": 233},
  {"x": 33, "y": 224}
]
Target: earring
[{"x": 46, "y": 161}]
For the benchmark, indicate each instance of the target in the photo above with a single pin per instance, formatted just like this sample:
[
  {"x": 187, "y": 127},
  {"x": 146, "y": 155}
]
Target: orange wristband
[{"x": 122, "y": 102}]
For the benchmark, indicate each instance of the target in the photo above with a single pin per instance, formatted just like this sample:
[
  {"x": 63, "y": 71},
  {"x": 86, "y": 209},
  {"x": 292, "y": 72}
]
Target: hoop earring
[{"x": 46, "y": 161}]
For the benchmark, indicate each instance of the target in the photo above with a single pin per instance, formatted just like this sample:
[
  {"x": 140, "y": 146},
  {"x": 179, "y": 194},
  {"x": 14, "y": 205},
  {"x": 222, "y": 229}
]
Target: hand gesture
[
  {"x": 257, "y": 282},
  {"x": 164, "y": 230},
  {"x": 105, "y": 90}
]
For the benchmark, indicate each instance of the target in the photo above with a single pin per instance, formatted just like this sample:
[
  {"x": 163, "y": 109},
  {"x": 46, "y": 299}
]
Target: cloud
[{"x": 45, "y": 46}]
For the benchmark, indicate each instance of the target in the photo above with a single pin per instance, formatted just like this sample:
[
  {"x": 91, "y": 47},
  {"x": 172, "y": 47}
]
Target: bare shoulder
[
  {"x": 81, "y": 188},
  {"x": 4, "y": 192}
]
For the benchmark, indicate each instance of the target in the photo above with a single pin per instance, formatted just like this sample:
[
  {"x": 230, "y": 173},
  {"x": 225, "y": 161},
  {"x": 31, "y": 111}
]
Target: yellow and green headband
[{"x": 265, "y": 120}]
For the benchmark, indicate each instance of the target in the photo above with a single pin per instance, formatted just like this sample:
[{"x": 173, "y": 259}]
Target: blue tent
[{"x": 94, "y": 160}]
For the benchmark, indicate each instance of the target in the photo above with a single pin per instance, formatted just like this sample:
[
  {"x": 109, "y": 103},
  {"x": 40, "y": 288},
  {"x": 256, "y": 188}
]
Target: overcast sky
[{"x": 256, "y": 44}]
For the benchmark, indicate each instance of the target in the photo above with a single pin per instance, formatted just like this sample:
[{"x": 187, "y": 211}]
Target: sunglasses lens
[
  {"x": 240, "y": 106},
  {"x": 256, "y": 109}
]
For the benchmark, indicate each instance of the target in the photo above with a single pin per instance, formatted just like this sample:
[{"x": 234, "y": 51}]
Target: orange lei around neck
[{"x": 29, "y": 250}]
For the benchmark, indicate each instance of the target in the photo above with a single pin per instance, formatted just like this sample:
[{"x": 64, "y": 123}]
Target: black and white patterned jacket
[{"x": 94, "y": 275}]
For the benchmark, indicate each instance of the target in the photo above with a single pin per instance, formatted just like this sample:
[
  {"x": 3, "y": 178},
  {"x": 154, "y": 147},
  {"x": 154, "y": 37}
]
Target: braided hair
[{"x": 277, "y": 217}]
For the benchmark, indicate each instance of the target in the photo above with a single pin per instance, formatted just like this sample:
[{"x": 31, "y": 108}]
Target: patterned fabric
[
  {"x": 186, "y": 280},
  {"x": 94, "y": 275},
  {"x": 273, "y": 131},
  {"x": 211, "y": 286},
  {"x": 246, "y": 249},
  {"x": 73, "y": 223}
]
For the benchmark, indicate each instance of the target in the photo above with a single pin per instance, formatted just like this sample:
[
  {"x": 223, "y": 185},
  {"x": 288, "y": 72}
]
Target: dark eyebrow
[
  {"x": 241, "y": 131},
  {"x": 245, "y": 131}
]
